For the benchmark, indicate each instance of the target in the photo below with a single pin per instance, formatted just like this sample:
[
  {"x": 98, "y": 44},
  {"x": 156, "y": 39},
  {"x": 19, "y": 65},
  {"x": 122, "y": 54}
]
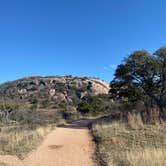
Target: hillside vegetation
[
  {"x": 134, "y": 134},
  {"x": 31, "y": 107}
]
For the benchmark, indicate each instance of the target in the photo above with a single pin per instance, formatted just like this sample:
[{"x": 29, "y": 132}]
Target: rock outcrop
[{"x": 66, "y": 89}]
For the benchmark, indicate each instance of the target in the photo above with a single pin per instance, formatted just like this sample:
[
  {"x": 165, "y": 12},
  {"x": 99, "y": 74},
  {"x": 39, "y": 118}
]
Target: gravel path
[{"x": 69, "y": 145}]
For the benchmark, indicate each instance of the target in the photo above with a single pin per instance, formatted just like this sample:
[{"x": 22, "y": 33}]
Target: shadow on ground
[{"x": 79, "y": 124}]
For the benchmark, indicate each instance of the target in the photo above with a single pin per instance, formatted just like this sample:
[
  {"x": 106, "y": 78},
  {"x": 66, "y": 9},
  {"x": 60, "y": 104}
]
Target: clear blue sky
[{"x": 76, "y": 37}]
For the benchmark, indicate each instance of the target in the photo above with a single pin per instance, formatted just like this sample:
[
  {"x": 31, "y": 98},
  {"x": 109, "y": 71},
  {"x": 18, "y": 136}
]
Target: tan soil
[{"x": 70, "y": 145}]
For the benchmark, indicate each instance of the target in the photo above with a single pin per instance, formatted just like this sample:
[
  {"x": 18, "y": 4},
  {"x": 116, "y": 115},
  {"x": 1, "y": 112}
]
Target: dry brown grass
[
  {"x": 147, "y": 157},
  {"x": 21, "y": 140},
  {"x": 120, "y": 144},
  {"x": 25, "y": 129}
]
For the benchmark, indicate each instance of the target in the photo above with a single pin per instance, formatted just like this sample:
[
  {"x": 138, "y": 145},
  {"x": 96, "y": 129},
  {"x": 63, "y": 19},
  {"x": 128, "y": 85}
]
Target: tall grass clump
[{"x": 21, "y": 140}]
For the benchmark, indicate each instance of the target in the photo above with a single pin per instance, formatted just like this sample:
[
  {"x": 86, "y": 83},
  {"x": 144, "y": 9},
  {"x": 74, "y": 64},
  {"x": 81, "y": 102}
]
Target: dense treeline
[{"x": 140, "y": 83}]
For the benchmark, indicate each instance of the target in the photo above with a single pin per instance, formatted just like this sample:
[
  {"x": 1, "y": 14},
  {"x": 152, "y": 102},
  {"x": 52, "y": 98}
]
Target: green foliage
[
  {"x": 62, "y": 106},
  {"x": 95, "y": 105},
  {"x": 24, "y": 116},
  {"x": 33, "y": 100},
  {"x": 142, "y": 77},
  {"x": 85, "y": 108},
  {"x": 46, "y": 103},
  {"x": 6, "y": 108},
  {"x": 61, "y": 88},
  {"x": 9, "y": 106}
]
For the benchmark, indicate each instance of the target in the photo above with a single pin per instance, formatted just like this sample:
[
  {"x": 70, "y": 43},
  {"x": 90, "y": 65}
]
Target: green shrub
[
  {"x": 7, "y": 106},
  {"x": 85, "y": 107},
  {"x": 46, "y": 103},
  {"x": 33, "y": 100},
  {"x": 95, "y": 105}
]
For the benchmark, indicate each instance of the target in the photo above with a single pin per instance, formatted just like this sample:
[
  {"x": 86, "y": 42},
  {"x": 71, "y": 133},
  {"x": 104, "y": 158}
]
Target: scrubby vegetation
[
  {"x": 29, "y": 107},
  {"x": 134, "y": 135},
  {"x": 22, "y": 128},
  {"x": 96, "y": 105},
  {"x": 119, "y": 144},
  {"x": 20, "y": 140}
]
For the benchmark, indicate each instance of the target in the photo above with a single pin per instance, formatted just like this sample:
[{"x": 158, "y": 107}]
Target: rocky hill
[{"x": 66, "y": 89}]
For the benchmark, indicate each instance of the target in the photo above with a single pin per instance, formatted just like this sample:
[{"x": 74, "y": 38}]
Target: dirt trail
[{"x": 69, "y": 145}]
